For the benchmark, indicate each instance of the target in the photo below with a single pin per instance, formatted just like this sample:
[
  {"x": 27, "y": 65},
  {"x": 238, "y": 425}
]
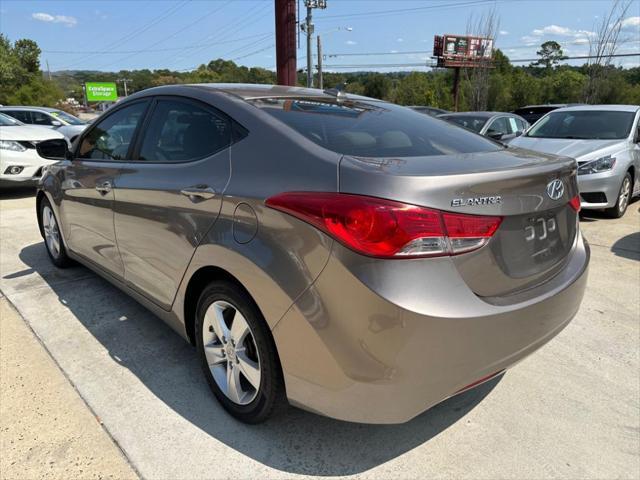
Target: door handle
[
  {"x": 199, "y": 191},
  {"x": 104, "y": 188}
]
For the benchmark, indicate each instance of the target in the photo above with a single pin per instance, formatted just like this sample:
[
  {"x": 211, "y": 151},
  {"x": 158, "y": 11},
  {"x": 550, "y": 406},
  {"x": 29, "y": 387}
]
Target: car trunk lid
[{"x": 537, "y": 231}]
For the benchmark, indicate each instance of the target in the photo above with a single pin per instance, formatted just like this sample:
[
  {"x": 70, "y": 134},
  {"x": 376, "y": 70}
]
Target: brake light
[
  {"x": 575, "y": 203},
  {"x": 385, "y": 228}
]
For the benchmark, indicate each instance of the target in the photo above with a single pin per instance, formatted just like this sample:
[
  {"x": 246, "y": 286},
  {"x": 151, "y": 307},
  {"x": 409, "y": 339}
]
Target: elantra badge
[
  {"x": 555, "y": 189},
  {"x": 475, "y": 201}
]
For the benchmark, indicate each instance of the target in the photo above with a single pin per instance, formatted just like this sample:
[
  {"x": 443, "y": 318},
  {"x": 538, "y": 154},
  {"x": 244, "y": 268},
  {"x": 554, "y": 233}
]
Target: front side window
[
  {"x": 469, "y": 122},
  {"x": 111, "y": 137},
  {"x": 500, "y": 126},
  {"x": 180, "y": 131},
  {"x": 372, "y": 129},
  {"x": 41, "y": 118},
  {"x": 584, "y": 125}
]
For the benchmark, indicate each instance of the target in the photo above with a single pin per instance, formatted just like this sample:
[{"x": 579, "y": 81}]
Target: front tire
[
  {"x": 624, "y": 196},
  {"x": 237, "y": 353},
  {"x": 52, "y": 237}
]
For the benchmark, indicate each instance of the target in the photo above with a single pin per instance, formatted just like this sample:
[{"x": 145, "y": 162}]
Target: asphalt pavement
[{"x": 571, "y": 410}]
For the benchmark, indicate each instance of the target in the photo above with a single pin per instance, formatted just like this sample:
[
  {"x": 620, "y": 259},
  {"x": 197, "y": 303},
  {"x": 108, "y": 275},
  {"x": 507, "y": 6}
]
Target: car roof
[
  {"x": 249, "y": 91},
  {"x": 476, "y": 114},
  {"x": 611, "y": 108},
  {"x": 548, "y": 105},
  {"x": 23, "y": 107}
]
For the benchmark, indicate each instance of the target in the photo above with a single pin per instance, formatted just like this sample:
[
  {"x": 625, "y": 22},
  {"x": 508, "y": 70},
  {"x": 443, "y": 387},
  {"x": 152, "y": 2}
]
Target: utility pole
[
  {"x": 308, "y": 29},
  {"x": 456, "y": 88},
  {"x": 48, "y": 70},
  {"x": 320, "y": 82},
  {"x": 286, "y": 41},
  {"x": 124, "y": 82}
]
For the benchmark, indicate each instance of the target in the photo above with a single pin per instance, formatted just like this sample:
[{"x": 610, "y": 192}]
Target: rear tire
[
  {"x": 53, "y": 240},
  {"x": 624, "y": 197},
  {"x": 237, "y": 353}
]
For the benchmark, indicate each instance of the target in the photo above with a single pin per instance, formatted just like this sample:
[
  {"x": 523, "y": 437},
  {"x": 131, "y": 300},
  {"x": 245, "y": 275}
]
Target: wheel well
[
  {"x": 199, "y": 280},
  {"x": 632, "y": 171}
]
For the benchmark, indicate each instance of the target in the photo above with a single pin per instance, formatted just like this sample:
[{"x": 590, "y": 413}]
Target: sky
[{"x": 112, "y": 35}]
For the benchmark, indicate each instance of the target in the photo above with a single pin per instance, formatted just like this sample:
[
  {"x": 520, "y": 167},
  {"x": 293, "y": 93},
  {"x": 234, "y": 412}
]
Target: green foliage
[
  {"x": 20, "y": 75},
  {"x": 377, "y": 85},
  {"x": 550, "y": 54},
  {"x": 509, "y": 86}
]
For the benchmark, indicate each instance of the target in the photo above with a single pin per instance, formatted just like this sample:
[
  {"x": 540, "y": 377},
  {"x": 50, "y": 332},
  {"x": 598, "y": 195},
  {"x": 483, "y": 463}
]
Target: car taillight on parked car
[
  {"x": 385, "y": 228},
  {"x": 575, "y": 203}
]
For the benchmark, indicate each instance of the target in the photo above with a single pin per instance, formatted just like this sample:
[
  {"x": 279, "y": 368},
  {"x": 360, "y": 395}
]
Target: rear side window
[
  {"x": 111, "y": 137},
  {"x": 180, "y": 131},
  {"x": 22, "y": 115},
  {"x": 372, "y": 129}
]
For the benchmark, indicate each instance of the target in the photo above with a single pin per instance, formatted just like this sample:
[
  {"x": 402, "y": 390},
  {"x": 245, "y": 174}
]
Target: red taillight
[
  {"x": 575, "y": 203},
  {"x": 385, "y": 228}
]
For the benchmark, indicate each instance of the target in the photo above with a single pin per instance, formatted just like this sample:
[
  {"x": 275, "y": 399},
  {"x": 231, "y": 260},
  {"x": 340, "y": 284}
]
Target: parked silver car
[
  {"x": 61, "y": 121},
  {"x": 605, "y": 140},
  {"x": 497, "y": 125},
  {"x": 360, "y": 259}
]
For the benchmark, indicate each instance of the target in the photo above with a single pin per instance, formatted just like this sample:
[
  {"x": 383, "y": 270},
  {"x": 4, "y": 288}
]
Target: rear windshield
[
  {"x": 467, "y": 121},
  {"x": 584, "y": 125},
  {"x": 372, "y": 129}
]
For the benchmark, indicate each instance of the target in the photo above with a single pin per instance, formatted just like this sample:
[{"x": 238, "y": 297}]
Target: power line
[
  {"x": 164, "y": 39},
  {"x": 429, "y": 52},
  {"x": 233, "y": 25},
  {"x": 174, "y": 8},
  {"x": 405, "y": 10},
  {"x": 432, "y": 65},
  {"x": 166, "y": 49}
]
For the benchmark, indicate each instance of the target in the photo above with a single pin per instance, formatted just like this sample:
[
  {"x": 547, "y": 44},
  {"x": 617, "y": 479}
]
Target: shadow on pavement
[
  {"x": 295, "y": 441},
  {"x": 10, "y": 192},
  {"x": 628, "y": 246}
]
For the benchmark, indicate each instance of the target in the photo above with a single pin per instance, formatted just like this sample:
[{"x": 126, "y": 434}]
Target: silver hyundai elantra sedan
[{"x": 346, "y": 255}]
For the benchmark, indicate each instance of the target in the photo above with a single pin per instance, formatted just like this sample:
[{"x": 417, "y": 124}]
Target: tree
[
  {"x": 550, "y": 54},
  {"x": 414, "y": 89},
  {"x": 603, "y": 45},
  {"x": 27, "y": 53},
  {"x": 377, "y": 86}
]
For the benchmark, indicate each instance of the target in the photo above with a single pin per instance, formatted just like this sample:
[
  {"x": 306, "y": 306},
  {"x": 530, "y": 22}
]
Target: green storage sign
[{"x": 101, "y": 91}]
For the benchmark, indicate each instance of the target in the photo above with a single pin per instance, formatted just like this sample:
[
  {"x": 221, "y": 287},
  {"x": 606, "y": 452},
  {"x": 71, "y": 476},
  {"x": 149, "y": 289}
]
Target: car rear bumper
[
  {"x": 366, "y": 352},
  {"x": 606, "y": 183}
]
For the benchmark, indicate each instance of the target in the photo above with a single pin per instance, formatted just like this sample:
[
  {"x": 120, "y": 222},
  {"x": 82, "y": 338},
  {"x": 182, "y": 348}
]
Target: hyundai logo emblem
[{"x": 555, "y": 189}]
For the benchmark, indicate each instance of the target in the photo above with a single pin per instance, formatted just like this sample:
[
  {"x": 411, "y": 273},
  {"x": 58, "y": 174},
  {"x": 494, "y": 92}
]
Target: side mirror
[
  {"x": 520, "y": 132},
  {"x": 494, "y": 134},
  {"x": 56, "y": 123},
  {"x": 56, "y": 149}
]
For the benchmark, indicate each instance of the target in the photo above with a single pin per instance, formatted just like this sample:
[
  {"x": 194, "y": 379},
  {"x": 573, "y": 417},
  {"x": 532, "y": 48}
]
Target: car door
[
  {"x": 635, "y": 155},
  {"x": 168, "y": 198},
  {"x": 88, "y": 197}
]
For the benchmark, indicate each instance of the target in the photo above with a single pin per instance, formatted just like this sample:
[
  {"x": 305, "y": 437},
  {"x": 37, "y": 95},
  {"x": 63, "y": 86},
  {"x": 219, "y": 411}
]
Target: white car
[
  {"x": 52, "y": 118},
  {"x": 20, "y": 163},
  {"x": 605, "y": 140}
]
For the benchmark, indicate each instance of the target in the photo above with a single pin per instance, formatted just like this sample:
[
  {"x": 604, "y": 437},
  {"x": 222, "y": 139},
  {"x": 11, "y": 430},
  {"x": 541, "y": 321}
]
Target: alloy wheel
[
  {"x": 51, "y": 231},
  {"x": 625, "y": 190},
  {"x": 231, "y": 352}
]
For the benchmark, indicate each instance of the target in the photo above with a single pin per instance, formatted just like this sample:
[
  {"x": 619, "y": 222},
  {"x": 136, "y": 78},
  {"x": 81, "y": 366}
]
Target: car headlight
[
  {"x": 597, "y": 166},
  {"x": 11, "y": 145}
]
